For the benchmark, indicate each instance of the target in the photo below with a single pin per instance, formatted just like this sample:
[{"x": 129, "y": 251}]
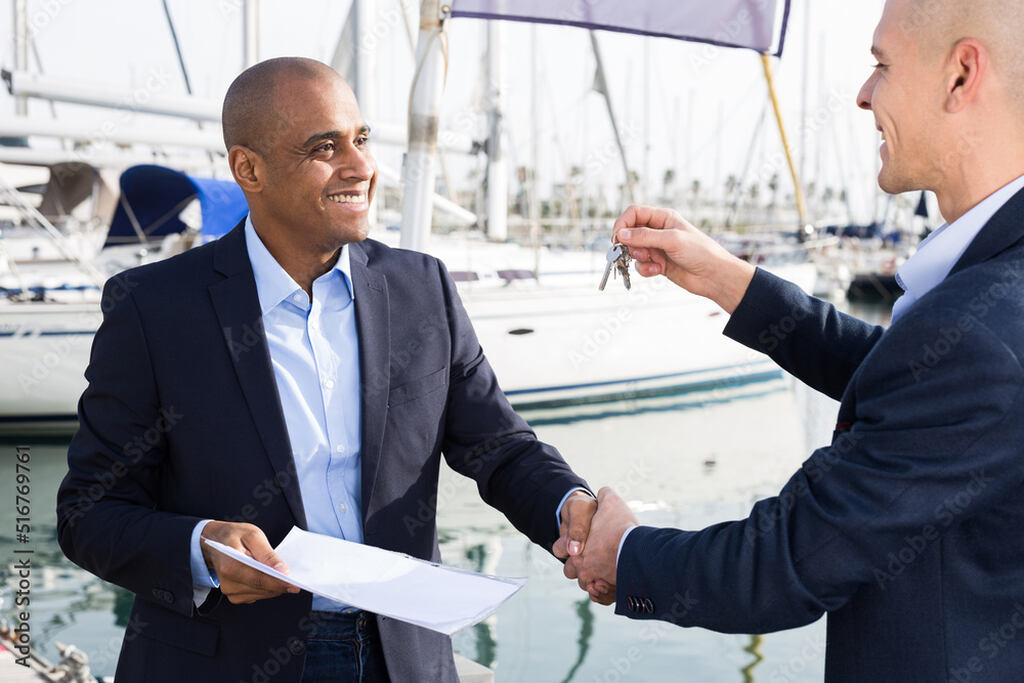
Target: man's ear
[
  {"x": 245, "y": 165},
  {"x": 966, "y": 67}
]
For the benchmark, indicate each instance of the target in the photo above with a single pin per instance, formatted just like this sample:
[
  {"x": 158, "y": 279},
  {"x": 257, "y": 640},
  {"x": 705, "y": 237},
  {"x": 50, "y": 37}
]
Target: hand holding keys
[{"x": 618, "y": 260}]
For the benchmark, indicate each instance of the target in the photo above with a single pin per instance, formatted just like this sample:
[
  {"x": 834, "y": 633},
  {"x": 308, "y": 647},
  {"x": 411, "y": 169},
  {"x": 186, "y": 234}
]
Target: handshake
[{"x": 589, "y": 537}]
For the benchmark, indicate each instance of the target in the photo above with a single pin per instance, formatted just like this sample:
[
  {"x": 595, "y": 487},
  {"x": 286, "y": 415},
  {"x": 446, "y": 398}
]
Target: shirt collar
[
  {"x": 939, "y": 252},
  {"x": 273, "y": 283}
]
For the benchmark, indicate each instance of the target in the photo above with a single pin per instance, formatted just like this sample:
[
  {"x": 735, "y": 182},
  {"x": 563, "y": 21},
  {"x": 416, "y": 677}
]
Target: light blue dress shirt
[
  {"x": 314, "y": 350},
  {"x": 939, "y": 252}
]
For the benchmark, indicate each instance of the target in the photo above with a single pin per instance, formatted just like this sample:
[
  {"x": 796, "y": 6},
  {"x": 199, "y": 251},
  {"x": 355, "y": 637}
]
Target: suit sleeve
[
  {"x": 108, "y": 521},
  {"x": 937, "y": 420},
  {"x": 522, "y": 477},
  {"x": 807, "y": 337}
]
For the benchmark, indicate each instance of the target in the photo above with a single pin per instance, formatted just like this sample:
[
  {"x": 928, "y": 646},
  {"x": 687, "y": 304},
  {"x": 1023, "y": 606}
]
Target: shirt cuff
[
  {"x": 558, "y": 510},
  {"x": 622, "y": 541},
  {"x": 203, "y": 578}
]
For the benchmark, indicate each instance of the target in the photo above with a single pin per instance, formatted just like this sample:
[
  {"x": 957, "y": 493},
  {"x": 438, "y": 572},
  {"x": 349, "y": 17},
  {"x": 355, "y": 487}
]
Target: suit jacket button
[
  {"x": 648, "y": 606},
  {"x": 631, "y": 603}
]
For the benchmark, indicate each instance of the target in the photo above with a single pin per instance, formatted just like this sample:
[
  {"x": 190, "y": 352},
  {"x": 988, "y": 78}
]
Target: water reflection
[
  {"x": 754, "y": 648},
  {"x": 586, "y": 616}
]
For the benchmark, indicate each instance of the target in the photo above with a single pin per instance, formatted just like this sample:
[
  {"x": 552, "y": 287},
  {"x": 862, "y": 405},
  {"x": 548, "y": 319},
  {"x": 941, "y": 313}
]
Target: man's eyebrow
[
  {"x": 331, "y": 134},
  {"x": 317, "y": 137},
  {"x": 877, "y": 51}
]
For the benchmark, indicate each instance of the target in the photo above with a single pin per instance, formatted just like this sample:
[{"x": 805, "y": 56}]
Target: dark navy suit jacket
[
  {"x": 908, "y": 530},
  {"x": 181, "y": 421}
]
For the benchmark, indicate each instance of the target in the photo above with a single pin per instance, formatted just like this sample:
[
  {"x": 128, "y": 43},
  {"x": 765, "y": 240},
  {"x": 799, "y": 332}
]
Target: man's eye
[
  {"x": 879, "y": 65},
  {"x": 362, "y": 140},
  {"x": 326, "y": 147}
]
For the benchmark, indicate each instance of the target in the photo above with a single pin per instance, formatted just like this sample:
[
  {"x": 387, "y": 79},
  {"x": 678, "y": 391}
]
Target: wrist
[{"x": 736, "y": 277}]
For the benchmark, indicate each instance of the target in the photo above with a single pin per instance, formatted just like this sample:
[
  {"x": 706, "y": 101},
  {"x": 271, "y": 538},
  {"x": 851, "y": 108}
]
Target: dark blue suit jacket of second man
[
  {"x": 908, "y": 530},
  {"x": 181, "y": 421}
]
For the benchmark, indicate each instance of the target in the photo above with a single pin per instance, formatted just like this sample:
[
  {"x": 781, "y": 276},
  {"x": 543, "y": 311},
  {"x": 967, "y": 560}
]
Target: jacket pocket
[
  {"x": 417, "y": 388},
  {"x": 171, "y": 628}
]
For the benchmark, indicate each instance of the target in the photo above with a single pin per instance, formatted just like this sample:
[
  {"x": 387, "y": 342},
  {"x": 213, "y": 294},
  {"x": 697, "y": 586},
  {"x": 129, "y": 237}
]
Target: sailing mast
[
  {"x": 602, "y": 79},
  {"x": 497, "y": 172},
  {"x": 20, "y": 50},
  {"x": 419, "y": 171},
  {"x": 250, "y": 33}
]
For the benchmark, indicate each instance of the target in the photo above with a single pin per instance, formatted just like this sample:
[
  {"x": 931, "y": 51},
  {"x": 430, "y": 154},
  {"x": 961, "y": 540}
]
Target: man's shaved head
[
  {"x": 249, "y": 117},
  {"x": 938, "y": 25}
]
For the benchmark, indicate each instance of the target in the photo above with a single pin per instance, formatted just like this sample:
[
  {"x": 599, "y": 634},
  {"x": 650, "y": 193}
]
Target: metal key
[
  {"x": 622, "y": 265},
  {"x": 613, "y": 256}
]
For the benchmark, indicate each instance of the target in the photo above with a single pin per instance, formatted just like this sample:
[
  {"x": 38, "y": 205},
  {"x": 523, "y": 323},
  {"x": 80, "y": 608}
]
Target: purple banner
[{"x": 729, "y": 23}]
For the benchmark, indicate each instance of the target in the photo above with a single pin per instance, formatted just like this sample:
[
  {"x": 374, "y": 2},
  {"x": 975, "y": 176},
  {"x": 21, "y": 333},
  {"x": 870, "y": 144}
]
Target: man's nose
[
  {"x": 866, "y": 92},
  {"x": 358, "y": 163}
]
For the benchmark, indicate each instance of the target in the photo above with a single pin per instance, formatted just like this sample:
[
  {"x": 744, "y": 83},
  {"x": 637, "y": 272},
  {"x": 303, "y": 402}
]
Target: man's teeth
[{"x": 348, "y": 198}]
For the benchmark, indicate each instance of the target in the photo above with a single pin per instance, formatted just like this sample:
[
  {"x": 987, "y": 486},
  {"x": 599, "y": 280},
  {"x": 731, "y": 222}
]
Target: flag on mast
[{"x": 753, "y": 24}]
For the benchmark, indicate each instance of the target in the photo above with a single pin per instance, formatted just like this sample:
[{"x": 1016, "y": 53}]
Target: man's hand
[
  {"x": 239, "y": 583},
  {"x": 662, "y": 243},
  {"x": 595, "y": 568},
  {"x": 577, "y": 511}
]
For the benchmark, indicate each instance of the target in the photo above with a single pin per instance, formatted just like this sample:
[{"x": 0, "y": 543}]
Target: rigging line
[{"x": 177, "y": 48}]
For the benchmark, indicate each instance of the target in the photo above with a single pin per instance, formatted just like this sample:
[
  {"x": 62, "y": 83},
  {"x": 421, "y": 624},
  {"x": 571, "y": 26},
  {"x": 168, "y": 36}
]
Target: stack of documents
[{"x": 443, "y": 599}]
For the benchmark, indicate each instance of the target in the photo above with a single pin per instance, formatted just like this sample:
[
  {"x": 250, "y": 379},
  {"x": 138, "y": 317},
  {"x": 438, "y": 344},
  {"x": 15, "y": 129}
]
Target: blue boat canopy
[{"x": 152, "y": 197}]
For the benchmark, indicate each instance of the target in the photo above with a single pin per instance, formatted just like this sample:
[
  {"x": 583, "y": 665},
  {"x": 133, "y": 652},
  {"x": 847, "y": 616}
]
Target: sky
[{"x": 689, "y": 107}]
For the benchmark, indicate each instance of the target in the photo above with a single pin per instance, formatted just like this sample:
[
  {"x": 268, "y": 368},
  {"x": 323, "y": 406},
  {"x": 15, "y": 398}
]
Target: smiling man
[
  {"x": 906, "y": 530},
  {"x": 316, "y": 378}
]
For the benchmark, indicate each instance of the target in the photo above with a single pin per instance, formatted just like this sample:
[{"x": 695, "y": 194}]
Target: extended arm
[
  {"x": 804, "y": 335},
  {"x": 920, "y": 440}
]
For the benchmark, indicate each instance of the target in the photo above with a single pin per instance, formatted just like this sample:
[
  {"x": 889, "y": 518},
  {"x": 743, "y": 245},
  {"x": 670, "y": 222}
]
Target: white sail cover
[{"x": 730, "y": 23}]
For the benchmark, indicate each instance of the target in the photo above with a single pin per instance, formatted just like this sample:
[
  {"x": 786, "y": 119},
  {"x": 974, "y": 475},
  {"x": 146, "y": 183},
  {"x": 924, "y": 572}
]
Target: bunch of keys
[{"x": 619, "y": 260}]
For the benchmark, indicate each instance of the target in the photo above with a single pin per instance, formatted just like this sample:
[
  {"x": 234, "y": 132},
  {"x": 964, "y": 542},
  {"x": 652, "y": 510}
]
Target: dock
[{"x": 12, "y": 672}]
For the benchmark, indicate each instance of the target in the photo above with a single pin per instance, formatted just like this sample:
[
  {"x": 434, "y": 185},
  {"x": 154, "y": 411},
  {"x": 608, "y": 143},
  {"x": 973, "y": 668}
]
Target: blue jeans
[{"x": 344, "y": 648}]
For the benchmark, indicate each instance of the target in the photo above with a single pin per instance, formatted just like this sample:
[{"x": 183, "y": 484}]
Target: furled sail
[{"x": 755, "y": 24}]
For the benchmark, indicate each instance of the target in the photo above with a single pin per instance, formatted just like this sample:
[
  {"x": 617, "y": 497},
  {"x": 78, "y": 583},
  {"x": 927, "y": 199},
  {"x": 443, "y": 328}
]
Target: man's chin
[
  {"x": 357, "y": 231},
  {"x": 894, "y": 183}
]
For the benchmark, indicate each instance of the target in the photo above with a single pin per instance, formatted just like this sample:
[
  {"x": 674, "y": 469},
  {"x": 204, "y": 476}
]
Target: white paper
[{"x": 441, "y": 598}]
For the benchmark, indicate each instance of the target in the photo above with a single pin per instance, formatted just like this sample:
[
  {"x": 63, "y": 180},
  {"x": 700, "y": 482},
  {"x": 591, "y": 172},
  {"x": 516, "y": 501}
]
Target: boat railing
[{"x": 10, "y": 196}]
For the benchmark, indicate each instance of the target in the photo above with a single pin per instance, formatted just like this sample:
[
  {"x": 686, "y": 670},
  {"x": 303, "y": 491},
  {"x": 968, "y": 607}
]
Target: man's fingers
[
  {"x": 643, "y": 216},
  {"x": 569, "y": 569},
  {"x": 647, "y": 237},
  {"x": 560, "y": 548},
  {"x": 649, "y": 269},
  {"x": 581, "y": 511}
]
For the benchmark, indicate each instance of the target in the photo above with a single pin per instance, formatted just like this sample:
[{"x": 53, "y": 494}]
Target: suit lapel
[
  {"x": 373, "y": 328},
  {"x": 1003, "y": 230},
  {"x": 238, "y": 310}
]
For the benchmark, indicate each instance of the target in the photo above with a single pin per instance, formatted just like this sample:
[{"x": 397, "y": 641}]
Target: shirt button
[
  {"x": 329, "y": 383},
  {"x": 343, "y": 507},
  {"x": 297, "y": 298},
  {"x": 341, "y": 449}
]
